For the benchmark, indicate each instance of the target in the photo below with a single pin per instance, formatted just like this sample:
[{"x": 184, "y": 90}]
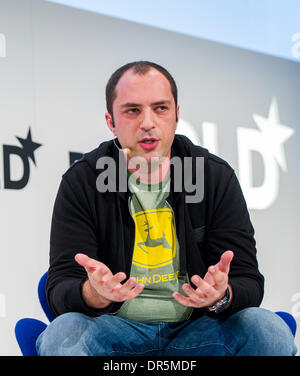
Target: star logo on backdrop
[
  {"x": 274, "y": 133},
  {"x": 24, "y": 153},
  {"x": 29, "y": 146}
]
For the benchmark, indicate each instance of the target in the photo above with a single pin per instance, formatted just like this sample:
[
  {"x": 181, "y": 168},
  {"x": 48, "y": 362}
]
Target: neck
[{"x": 151, "y": 172}]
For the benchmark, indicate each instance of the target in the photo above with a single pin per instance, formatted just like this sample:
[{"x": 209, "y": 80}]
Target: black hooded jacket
[{"x": 100, "y": 225}]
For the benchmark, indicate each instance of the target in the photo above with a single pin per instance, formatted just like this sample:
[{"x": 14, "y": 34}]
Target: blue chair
[
  {"x": 289, "y": 319},
  {"x": 27, "y": 330}
]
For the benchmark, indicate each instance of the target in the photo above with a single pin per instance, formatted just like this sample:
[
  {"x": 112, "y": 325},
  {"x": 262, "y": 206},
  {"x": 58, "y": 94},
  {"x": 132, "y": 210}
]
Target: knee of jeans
[
  {"x": 64, "y": 331},
  {"x": 267, "y": 329}
]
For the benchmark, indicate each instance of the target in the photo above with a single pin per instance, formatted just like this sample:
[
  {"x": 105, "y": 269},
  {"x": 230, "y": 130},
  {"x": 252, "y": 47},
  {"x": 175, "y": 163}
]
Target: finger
[
  {"x": 129, "y": 290},
  {"x": 126, "y": 287},
  {"x": 225, "y": 261},
  {"x": 85, "y": 261},
  {"x": 196, "y": 296},
  {"x": 202, "y": 286},
  {"x": 209, "y": 278},
  {"x": 135, "y": 291},
  {"x": 183, "y": 300},
  {"x": 91, "y": 264},
  {"x": 196, "y": 279},
  {"x": 219, "y": 277},
  {"x": 111, "y": 282}
]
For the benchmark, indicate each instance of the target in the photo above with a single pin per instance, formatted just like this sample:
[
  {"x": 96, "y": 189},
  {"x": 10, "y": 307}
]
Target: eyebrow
[
  {"x": 129, "y": 104},
  {"x": 161, "y": 102}
]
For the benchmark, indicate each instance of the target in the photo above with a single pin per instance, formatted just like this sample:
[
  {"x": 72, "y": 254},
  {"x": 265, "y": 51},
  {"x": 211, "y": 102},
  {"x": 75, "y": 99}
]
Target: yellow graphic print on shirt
[
  {"x": 155, "y": 239},
  {"x": 155, "y": 260}
]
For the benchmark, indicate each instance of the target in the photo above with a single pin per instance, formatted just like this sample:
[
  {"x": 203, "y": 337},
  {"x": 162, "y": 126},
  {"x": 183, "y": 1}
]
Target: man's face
[{"x": 144, "y": 114}]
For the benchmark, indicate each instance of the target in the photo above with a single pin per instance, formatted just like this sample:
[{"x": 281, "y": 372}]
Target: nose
[{"x": 147, "y": 121}]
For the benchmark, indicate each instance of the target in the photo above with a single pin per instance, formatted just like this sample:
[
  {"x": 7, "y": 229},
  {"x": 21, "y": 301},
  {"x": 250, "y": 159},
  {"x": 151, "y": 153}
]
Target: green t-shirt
[{"x": 155, "y": 261}]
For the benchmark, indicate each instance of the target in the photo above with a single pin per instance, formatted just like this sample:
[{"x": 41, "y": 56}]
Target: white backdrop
[{"x": 54, "y": 65}]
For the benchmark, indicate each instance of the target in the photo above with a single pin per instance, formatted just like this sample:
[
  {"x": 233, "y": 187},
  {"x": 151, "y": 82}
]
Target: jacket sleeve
[
  {"x": 73, "y": 230},
  {"x": 230, "y": 228}
]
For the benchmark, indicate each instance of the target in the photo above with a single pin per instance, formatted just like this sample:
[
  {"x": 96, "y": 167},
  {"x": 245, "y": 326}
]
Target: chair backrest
[
  {"x": 43, "y": 299},
  {"x": 289, "y": 319}
]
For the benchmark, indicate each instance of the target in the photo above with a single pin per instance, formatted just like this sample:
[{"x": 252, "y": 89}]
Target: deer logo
[{"x": 155, "y": 240}]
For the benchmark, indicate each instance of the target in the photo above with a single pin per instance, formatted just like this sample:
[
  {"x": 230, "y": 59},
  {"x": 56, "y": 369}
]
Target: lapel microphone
[{"x": 126, "y": 151}]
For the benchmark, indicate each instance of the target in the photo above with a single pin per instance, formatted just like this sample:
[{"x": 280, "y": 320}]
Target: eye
[
  {"x": 132, "y": 111},
  {"x": 161, "y": 108}
]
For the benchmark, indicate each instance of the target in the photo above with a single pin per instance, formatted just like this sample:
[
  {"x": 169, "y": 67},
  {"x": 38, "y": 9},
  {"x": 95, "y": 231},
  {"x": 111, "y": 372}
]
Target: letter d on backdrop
[{"x": 263, "y": 196}]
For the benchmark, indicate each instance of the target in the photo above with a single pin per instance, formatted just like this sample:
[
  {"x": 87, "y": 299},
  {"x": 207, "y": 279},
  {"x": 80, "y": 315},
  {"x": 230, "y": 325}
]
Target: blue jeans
[{"x": 252, "y": 331}]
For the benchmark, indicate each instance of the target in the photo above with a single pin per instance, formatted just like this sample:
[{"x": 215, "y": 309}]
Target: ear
[
  {"x": 177, "y": 115},
  {"x": 109, "y": 123}
]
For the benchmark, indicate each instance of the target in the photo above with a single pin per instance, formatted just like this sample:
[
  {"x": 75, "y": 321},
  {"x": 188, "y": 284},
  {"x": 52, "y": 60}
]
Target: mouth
[{"x": 149, "y": 143}]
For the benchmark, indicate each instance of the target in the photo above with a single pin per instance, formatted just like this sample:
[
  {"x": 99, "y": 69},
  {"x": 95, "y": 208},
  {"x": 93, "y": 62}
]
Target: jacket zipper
[
  {"x": 186, "y": 273},
  {"x": 134, "y": 230},
  {"x": 170, "y": 207},
  {"x": 114, "y": 313},
  {"x": 192, "y": 309}
]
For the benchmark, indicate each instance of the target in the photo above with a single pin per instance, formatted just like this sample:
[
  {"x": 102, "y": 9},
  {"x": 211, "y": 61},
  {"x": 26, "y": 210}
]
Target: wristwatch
[{"x": 221, "y": 304}]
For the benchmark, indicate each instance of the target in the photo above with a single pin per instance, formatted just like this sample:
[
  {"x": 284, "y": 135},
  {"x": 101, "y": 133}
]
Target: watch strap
[{"x": 221, "y": 304}]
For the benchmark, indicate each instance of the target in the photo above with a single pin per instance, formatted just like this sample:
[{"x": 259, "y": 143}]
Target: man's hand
[
  {"x": 102, "y": 287},
  {"x": 211, "y": 288}
]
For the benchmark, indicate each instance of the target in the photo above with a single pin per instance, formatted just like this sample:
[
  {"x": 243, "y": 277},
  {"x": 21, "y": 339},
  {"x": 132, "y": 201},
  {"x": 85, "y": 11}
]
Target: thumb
[
  {"x": 224, "y": 263},
  {"x": 88, "y": 263},
  {"x": 91, "y": 265}
]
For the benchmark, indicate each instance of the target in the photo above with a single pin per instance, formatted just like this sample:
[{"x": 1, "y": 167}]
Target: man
[{"x": 147, "y": 270}]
